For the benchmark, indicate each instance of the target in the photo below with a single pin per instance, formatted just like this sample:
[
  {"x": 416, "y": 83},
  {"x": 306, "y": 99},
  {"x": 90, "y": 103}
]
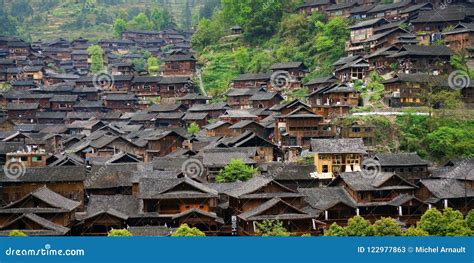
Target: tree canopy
[
  {"x": 235, "y": 171},
  {"x": 185, "y": 231}
]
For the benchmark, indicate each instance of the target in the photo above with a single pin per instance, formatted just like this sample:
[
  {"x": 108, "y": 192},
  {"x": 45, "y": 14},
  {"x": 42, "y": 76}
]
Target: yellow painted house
[{"x": 333, "y": 156}]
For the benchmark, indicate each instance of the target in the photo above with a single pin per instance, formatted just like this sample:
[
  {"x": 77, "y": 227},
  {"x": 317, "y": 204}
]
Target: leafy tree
[
  {"x": 208, "y": 32},
  {"x": 446, "y": 99},
  {"x": 96, "y": 53},
  {"x": 335, "y": 230},
  {"x": 139, "y": 64},
  {"x": 152, "y": 64},
  {"x": 120, "y": 26},
  {"x": 458, "y": 227},
  {"x": 470, "y": 219},
  {"x": 17, "y": 233},
  {"x": 433, "y": 222},
  {"x": 271, "y": 228},
  {"x": 140, "y": 22},
  {"x": 161, "y": 19},
  {"x": 193, "y": 128},
  {"x": 387, "y": 227},
  {"x": 185, "y": 231},
  {"x": 358, "y": 226},
  {"x": 415, "y": 232},
  {"x": 119, "y": 233},
  {"x": 235, "y": 171}
]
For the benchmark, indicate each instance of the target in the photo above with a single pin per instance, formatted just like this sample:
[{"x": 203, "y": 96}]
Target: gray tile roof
[
  {"x": 400, "y": 159},
  {"x": 353, "y": 145}
]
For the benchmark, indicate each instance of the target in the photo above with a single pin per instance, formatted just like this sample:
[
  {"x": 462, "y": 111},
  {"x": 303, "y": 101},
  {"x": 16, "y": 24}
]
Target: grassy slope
[{"x": 66, "y": 10}]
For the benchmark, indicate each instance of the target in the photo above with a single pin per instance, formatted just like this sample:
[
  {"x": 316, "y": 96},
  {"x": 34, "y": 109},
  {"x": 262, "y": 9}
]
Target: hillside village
[{"x": 86, "y": 149}]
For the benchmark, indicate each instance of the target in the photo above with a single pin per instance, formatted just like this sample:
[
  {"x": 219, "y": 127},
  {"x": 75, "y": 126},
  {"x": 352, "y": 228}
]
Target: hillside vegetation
[{"x": 93, "y": 19}]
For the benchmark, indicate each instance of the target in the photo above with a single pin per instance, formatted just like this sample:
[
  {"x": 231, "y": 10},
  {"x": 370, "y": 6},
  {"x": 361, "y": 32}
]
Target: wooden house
[
  {"x": 294, "y": 71},
  {"x": 175, "y": 87},
  {"x": 299, "y": 126},
  {"x": 63, "y": 102},
  {"x": 258, "y": 199},
  {"x": 162, "y": 143},
  {"x": 259, "y": 80},
  {"x": 183, "y": 200},
  {"x": 353, "y": 70},
  {"x": 341, "y": 9},
  {"x": 43, "y": 203},
  {"x": 50, "y": 117},
  {"x": 360, "y": 32},
  {"x": 311, "y": 6},
  {"x": 382, "y": 195},
  {"x": 445, "y": 192},
  {"x": 407, "y": 165},
  {"x": 121, "y": 102},
  {"x": 200, "y": 118},
  {"x": 423, "y": 59},
  {"x": 334, "y": 156},
  {"x": 359, "y": 130},
  {"x": 320, "y": 82},
  {"x": 146, "y": 87},
  {"x": 389, "y": 11},
  {"x": 62, "y": 180},
  {"x": 239, "y": 98},
  {"x": 180, "y": 65},
  {"x": 169, "y": 119},
  {"x": 436, "y": 22},
  {"x": 265, "y": 100},
  {"x": 214, "y": 110},
  {"x": 22, "y": 113},
  {"x": 407, "y": 90},
  {"x": 190, "y": 99},
  {"x": 460, "y": 37},
  {"x": 219, "y": 128}
]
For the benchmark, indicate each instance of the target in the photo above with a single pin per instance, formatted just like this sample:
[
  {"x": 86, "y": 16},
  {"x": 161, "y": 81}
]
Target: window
[
  {"x": 171, "y": 88},
  {"x": 325, "y": 169}
]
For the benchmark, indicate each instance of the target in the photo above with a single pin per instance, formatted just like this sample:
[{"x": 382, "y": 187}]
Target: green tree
[
  {"x": 335, "y": 230},
  {"x": 271, "y": 228},
  {"x": 415, "y": 232},
  {"x": 119, "y": 233},
  {"x": 96, "y": 53},
  {"x": 433, "y": 222},
  {"x": 235, "y": 171},
  {"x": 17, "y": 233},
  {"x": 470, "y": 220},
  {"x": 193, "y": 128},
  {"x": 139, "y": 64},
  {"x": 358, "y": 226},
  {"x": 387, "y": 226},
  {"x": 185, "y": 231},
  {"x": 140, "y": 22},
  {"x": 120, "y": 26},
  {"x": 152, "y": 65}
]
